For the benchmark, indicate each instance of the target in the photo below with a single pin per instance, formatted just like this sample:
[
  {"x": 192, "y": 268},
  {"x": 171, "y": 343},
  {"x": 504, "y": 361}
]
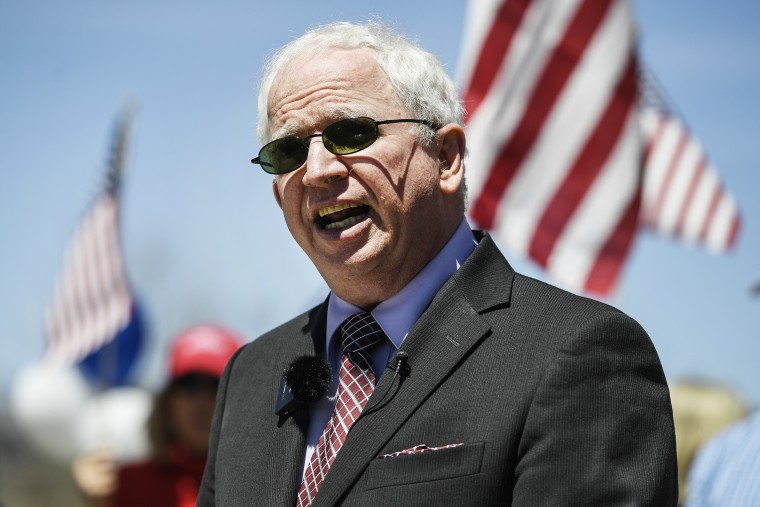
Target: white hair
[
  {"x": 417, "y": 76},
  {"x": 422, "y": 85}
]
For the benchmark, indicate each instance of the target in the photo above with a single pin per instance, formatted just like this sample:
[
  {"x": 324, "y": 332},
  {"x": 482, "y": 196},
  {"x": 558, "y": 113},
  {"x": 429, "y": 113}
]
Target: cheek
[
  {"x": 414, "y": 191},
  {"x": 178, "y": 419},
  {"x": 178, "y": 408},
  {"x": 191, "y": 414},
  {"x": 294, "y": 219},
  {"x": 290, "y": 193},
  {"x": 409, "y": 174}
]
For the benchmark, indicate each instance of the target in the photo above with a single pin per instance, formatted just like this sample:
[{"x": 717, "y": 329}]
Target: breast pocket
[{"x": 426, "y": 466}]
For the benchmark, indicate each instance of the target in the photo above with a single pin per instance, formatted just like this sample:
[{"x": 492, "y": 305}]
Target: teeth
[
  {"x": 344, "y": 223},
  {"x": 337, "y": 207}
]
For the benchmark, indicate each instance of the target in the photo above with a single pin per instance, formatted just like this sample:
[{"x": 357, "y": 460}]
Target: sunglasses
[{"x": 343, "y": 137}]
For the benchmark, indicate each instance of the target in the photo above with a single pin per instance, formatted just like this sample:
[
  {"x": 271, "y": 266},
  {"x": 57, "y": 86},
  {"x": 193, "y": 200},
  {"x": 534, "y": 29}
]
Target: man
[{"x": 504, "y": 390}]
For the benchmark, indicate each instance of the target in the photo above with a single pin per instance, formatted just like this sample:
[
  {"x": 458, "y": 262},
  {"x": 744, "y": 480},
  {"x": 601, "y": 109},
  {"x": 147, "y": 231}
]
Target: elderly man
[{"x": 455, "y": 381}]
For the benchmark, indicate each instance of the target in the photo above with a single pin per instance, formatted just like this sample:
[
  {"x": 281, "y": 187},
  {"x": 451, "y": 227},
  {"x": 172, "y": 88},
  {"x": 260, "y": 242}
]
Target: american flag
[
  {"x": 93, "y": 300},
  {"x": 683, "y": 193},
  {"x": 567, "y": 160}
]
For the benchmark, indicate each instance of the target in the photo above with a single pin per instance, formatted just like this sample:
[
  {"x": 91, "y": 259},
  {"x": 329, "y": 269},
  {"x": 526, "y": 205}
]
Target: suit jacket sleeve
[
  {"x": 206, "y": 494},
  {"x": 599, "y": 430}
]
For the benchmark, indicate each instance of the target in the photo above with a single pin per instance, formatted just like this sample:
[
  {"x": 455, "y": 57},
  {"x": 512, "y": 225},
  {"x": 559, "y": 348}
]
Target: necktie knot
[{"x": 360, "y": 332}]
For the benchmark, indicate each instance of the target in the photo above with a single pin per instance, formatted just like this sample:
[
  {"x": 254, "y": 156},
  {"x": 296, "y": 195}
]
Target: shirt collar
[{"x": 398, "y": 314}]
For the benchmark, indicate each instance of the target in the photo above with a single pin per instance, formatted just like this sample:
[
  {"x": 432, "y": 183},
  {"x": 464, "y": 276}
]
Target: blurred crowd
[
  {"x": 176, "y": 426},
  {"x": 178, "y": 429}
]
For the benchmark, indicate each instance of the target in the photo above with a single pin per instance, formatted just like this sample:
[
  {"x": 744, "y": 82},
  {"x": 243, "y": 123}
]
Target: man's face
[{"x": 371, "y": 220}]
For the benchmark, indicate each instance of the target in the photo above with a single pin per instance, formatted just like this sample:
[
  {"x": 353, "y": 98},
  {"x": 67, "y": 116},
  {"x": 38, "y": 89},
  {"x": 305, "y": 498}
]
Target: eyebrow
[
  {"x": 290, "y": 130},
  {"x": 295, "y": 129}
]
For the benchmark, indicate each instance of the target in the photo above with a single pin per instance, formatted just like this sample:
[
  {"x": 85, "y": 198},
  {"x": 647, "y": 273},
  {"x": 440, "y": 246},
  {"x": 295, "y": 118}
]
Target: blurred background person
[
  {"x": 726, "y": 470},
  {"x": 701, "y": 409},
  {"x": 178, "y": 430}
]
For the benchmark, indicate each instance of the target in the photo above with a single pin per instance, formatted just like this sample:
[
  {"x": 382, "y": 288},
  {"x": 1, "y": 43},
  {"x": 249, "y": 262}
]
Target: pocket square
[{"x": 417, "y": 449}]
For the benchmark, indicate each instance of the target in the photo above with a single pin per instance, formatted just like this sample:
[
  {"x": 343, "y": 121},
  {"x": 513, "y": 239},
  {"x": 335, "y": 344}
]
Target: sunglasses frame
[{"x": 327, "y": 142}]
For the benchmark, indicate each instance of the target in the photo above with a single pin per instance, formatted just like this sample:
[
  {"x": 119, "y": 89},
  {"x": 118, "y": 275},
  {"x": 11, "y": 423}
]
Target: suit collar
[
  {"x": 437, "y": 343},
  {"x": 486, "y": 278}
]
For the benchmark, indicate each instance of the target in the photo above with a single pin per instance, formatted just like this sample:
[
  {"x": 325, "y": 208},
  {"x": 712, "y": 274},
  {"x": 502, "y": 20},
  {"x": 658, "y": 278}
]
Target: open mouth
[{"x": 342, "y": 216}]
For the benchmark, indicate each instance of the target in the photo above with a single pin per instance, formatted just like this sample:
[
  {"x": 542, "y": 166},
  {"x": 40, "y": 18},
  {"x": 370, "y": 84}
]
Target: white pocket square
[{"x": 418, "y": 449}]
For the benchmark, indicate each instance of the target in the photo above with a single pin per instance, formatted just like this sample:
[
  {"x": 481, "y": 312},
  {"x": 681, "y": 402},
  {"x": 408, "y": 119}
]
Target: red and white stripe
[
  {"x": 551, "y": 90},
  {"x": 92, "y": 301},
  {"x": 683, "y": 194}
]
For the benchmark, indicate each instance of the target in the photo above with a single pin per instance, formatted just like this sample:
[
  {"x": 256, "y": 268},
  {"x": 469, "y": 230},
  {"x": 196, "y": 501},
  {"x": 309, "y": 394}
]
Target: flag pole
[{"x": 108, "y": 361}]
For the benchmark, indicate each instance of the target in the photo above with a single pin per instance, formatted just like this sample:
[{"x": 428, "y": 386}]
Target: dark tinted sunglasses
[
  {"x": 195, "y": 382},
  {"x": 340, "y": 138}
]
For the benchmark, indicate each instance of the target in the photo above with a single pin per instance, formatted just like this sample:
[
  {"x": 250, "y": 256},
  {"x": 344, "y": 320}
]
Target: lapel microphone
[{"x": 305, "y": 380}]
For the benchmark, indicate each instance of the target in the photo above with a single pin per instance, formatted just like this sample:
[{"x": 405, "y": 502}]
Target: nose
[{"x": 322, "y": 167}]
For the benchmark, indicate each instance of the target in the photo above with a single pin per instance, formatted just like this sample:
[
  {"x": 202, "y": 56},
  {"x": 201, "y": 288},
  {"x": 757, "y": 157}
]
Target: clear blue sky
[{"x": 204, "y": 239}]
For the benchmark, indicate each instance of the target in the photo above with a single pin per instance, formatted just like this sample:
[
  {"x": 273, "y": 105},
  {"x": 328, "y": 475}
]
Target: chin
[{"x": 351, "y": 266}]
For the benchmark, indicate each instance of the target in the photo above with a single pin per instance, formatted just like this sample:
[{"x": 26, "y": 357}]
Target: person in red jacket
[{"x": 178, "y": 429}]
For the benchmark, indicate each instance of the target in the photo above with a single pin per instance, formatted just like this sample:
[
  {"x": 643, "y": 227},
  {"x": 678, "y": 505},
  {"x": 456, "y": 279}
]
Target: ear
[
  {"x": 451, "y": 157},
  {"x": 276, "y": 191}
]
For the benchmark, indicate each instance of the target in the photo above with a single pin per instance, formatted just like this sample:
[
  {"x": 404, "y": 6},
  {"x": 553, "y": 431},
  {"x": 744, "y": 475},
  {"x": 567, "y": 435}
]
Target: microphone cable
[{"x": 401, "y": 370}]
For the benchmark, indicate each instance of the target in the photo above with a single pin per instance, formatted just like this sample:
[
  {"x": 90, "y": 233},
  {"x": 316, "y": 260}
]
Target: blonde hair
[{"x": 700, "y": 410}]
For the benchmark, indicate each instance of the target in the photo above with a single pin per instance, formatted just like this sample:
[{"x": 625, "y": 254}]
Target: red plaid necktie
[{"x": 357, "y": 380}]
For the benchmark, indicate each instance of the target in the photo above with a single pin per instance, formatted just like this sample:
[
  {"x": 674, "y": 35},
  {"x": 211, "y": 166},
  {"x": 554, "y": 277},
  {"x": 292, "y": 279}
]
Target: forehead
[{"x": 311, "y": 91}]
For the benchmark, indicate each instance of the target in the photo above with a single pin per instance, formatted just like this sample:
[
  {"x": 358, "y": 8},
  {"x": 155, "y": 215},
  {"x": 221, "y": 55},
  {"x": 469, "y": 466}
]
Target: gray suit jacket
[{"x": 558, "y": 399}]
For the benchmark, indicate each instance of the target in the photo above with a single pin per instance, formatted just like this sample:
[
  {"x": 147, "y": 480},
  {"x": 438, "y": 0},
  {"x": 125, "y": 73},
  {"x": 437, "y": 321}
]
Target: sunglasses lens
[
  {"x": 341, "y": 138},
  {"x": 283, "y": 155},
  {"x": 349, "y": 136}
]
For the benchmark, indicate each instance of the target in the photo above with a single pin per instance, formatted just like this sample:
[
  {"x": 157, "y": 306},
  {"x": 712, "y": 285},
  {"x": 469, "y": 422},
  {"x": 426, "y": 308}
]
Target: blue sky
[{"x": 204, "y": 239}]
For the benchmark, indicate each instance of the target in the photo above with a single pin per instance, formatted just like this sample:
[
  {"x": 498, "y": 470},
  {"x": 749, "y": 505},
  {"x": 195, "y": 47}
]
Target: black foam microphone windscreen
[{"x": 309, "y": 378}]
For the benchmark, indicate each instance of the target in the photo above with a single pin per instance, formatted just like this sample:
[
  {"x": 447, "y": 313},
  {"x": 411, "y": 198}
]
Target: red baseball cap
[{"x": 204, "y": 348}]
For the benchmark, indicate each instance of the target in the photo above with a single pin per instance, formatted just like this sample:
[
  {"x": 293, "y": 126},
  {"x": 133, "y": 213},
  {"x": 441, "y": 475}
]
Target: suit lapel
[
  {"x": 289, "y": 434},
  {"x": 436, "y": 344}
]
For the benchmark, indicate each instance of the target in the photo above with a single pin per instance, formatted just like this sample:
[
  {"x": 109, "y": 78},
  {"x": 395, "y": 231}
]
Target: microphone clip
[
  {"x": 286, "y": 401},
  {"x": 400, "y": 365}
]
